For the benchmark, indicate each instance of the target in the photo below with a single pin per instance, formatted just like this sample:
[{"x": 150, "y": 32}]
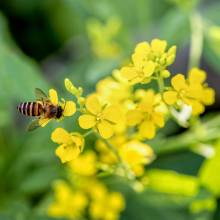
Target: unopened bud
[
  {"x": 165, "y": 74},
  {"x": 70, "y": 87}
]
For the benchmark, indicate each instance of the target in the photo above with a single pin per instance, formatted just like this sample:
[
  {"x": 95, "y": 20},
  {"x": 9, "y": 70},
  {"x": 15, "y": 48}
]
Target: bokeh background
[{"x": 42, "y": 42}]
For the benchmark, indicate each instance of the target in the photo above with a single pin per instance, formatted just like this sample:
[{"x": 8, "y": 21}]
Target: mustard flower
[
  {"x": 98, "y": 116},
  {"x": 85, "y": 164},
  {"x": 106, "y": 155},
  {"x": 148, "y": 59},
  {"x": 192, "y": 91},
  {"x": 67, "y": 203},
  {"x": 71, "y": 144},
  {"x": 68, "y": 107},
  {"x": 113, "y": 91},
  {"x": 114, "y": 204},
  {"x": 148, "y": 115},
  {"x": 136, "y": 154},
  {"x": 102, "y": 37}
]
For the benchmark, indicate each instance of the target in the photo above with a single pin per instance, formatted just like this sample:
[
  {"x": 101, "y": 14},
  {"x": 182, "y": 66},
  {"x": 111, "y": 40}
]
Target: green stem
[
  {"x": 200, "y": 133},
  {"x": 88, "y": 133},
  {"x": 129, "y": 174},
  {"x": 160, "y": 84},
  {"x": 196, "y": 44}
]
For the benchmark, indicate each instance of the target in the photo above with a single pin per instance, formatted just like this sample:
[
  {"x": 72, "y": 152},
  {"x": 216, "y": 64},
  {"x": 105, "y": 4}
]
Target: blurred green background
[{"x": 42, "y": 42}]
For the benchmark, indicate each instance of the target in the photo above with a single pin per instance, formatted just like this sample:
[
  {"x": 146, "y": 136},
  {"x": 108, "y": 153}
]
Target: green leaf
[
  {"x": 175, "y": 28},
  {"x": 18, "y": 75},
  {"x": 171, "y": 182},
  {"x": 209, "y": 173}
]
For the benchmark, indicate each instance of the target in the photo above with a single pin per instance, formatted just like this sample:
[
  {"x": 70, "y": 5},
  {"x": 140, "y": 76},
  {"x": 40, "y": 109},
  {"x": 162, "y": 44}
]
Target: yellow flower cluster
[
  {"x": 102, "y": 37},
  {"x": 119, "y": 110},
  {"x": 122, "y": 114},
  {"x": 148, "y": 114},
  {"x": 192, "y": 91},
  {"x": 149, "y": 60},
  {"x": 78, "y": 199},
  {"x": 133, "y": 154}
]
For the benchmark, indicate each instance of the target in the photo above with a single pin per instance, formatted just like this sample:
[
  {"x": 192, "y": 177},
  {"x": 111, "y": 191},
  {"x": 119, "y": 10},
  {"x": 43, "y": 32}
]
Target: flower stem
[
  {"x": 160, "y": 84},
  {"x": 129, "y": 174},
  {"x": 88, "y": 133},
  {"x": 199, "y": 133},
  {"x": 196, "y": 44}
]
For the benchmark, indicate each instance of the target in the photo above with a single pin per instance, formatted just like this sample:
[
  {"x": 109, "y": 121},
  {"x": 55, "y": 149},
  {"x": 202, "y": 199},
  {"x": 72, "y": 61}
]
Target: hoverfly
[{"x": 42, "y": 108}]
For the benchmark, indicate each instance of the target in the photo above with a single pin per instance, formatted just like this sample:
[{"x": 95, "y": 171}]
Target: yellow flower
[
  {"x": 67, "y": 203},
  {"x": 147, "y": 115},
  {"x": 85, "y": 164},
  {"x": 148, "y": 59},
  {"x": 113, "y": 204},
  {"x": 102, "y": 37},
  {"x": 113, "y": 91},
  {"x": 71, "y": 144},
  {"x": 192, "y": 91},
  {"x": 136, "y": 154},
  {"x": 98, "y": 116},
  {"x": 68, "y": 107},
  {"x": 96, "y": 189},
  {"x": 106, "y": 155}
]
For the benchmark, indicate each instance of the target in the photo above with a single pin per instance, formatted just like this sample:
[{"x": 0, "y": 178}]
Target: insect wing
[
  {"x": 33, "y": 125},
  {"x": 36, "y": 123},
  {"x": 40, "y": 95}
]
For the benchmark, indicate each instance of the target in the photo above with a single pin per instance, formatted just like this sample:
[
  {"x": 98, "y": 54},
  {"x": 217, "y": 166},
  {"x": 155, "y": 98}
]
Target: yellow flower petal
[
  {"x": 158, "y": 119},
  {"x": 128, "y": 73},
  {"x": 60, "y": 136},
  {"x": 172, "y": 51},
  {"x": 142, "y": 47},
  {"x": 197, "y": 107},
  {"x": 194, "y": 91},
  {"x": 197, "y": 76},
  {"x": 89, "y": 164},
  {"x": 67, "y": 152},
  {"x": 116, "y": 201},
  {"x": 149, "y": 69},
  {"x": 178, "y": 82},
  {"x": 93, "y": 104},
  {"x": 134, "y": 117},
  {"x": 170, "y": 97},
  {"x": 105, "y": 129},
  {"x": 112, "y": 114},
  {"x": 147, "y": 103},
  {"x": 135, "y": 152},
  {"x": 158, "y": 46},
  {"x": 53, "y": 96},
  {"x": 208, "y": 96},
  {"x": 147, "y": 129},
  {"x": 78, "y": 140},
  {"x": 87, "y": 121},
  {"x": 69, "y": 108}
]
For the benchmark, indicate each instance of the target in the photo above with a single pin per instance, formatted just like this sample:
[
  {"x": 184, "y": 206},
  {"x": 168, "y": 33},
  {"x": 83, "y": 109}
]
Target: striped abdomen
[{"x": 30, "y": 108}]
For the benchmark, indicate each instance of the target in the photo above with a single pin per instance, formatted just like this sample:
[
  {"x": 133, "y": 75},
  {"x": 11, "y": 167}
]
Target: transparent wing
[
  {"x": 33, "y": 125},
  {"x": 36, "y": 123},
  {"x": 40, "y": 95}
]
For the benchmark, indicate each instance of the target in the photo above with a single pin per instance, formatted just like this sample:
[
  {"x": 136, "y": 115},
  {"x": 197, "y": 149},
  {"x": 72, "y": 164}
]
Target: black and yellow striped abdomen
[{"x": 30, "y": 108}]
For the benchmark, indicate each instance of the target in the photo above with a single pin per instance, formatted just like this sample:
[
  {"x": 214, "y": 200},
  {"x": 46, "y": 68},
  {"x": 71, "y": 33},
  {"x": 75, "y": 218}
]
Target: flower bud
[
  {"x": 70, "y": 87},
  {"x": 165, "y": 74}
]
